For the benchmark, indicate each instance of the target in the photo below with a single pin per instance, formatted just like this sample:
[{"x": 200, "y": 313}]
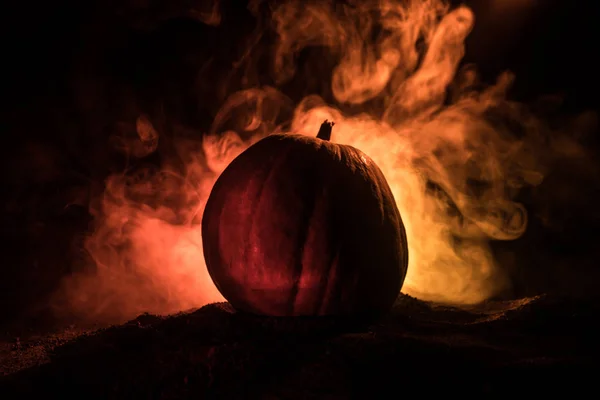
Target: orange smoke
[{"x": 448, "y": 146}]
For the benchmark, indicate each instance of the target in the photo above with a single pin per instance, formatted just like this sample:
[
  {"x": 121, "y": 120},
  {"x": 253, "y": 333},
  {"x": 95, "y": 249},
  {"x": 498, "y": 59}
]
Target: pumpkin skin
[{"x": 300, "y": 226}]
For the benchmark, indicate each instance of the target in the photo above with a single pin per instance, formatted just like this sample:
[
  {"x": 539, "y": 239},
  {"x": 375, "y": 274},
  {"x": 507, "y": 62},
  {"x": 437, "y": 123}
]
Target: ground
[{"x": 537, "y": 345}]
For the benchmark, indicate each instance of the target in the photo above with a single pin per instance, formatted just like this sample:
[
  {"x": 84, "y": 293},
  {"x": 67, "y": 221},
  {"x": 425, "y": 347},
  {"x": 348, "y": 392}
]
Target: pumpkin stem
[{"x": 325, "y": 130}]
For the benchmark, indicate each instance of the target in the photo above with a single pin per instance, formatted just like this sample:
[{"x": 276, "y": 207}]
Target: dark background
[{"x": 72, "y": 70}]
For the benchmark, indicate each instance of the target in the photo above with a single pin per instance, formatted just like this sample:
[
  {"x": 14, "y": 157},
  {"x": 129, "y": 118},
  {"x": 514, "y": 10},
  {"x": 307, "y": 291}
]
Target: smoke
[{"x": 455, "y": 152}]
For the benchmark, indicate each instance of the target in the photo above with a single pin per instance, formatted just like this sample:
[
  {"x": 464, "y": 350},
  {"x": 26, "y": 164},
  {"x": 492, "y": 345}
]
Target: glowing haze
[{"x": 454, "y": 152}]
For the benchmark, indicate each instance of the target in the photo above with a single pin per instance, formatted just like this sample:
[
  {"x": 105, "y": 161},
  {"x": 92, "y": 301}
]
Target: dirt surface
[{"x": 535, "y": 345}]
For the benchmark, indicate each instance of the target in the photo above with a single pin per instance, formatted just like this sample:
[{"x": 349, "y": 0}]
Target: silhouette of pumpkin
[{"x": 300, "y": 226}]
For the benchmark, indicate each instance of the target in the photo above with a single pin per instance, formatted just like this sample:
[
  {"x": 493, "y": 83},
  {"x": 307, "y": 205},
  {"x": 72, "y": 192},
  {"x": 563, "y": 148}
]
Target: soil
[{"x": 533, "y": 346}]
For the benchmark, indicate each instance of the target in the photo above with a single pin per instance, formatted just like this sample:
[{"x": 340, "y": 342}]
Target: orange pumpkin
[{"x": 297, "y": 225}]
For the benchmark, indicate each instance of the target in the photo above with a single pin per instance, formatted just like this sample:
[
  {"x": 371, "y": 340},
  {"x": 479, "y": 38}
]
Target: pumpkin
[{"x": 300, "y": 226}]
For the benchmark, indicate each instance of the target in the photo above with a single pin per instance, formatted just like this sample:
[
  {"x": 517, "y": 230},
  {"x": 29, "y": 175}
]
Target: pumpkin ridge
[
  {"x": 328, "y": 289},
  {"x": 378, "y": 178},
  {"x": 274, "y": 169},
  {"x": 309, "y": 213},
  {"x": 332, "y": 153}
]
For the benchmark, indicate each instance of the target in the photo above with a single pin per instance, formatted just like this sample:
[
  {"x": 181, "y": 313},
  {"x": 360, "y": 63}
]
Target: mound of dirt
[{"x": 538, "y": 345}]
